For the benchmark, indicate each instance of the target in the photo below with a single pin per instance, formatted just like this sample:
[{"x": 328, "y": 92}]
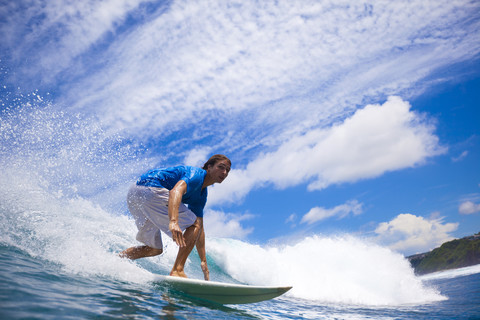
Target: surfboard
[{"x": 220, "y": 292}]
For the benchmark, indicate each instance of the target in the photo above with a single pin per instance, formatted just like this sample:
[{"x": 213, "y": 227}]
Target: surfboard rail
[{"x": 220, "y": 292}]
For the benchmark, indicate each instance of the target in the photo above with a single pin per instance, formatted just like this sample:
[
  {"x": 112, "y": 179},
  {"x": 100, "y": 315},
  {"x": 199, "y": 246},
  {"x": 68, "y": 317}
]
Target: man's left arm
[{"x": 203, "y": 254}]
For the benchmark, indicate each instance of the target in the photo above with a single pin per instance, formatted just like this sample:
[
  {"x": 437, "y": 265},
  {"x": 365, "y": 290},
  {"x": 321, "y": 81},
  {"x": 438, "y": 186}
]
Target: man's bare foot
[
  {"x": 178, "y": 274},
  {"x": 134, "y": 253}
]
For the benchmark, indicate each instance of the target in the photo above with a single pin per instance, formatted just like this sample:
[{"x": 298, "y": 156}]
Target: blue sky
[{"x": 339, "y": 116}]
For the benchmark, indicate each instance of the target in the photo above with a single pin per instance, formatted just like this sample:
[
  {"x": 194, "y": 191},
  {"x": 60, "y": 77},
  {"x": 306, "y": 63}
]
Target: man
[{"x": 158, "y": 202}]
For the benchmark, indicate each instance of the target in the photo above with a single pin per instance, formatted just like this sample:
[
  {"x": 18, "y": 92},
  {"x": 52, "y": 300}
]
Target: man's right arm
[{"x": 174, "y": 200}]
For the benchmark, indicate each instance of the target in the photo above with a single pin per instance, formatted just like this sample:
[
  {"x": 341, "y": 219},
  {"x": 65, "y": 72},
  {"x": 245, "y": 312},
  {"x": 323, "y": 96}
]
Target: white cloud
[
  {"x": 468, "y": 207},
  {"x": 411, "y": 234},
  {"x": 234, "y": 188},
  {"x": 374, "y": 140},
  {"x": 53, "y": 34},
  {"x": 197, "y": 157},
  {"x": 226, "y": 225},
  {"x": 340, "y": 211}
]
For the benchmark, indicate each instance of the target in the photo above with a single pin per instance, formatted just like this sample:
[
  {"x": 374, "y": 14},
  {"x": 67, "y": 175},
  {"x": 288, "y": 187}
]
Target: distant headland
[{"x": 453, "y": 254}]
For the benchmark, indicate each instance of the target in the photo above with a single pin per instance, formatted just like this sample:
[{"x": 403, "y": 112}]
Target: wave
[
  {"x": 84, "y": 239},
  {"x": 343, "y": 269}
]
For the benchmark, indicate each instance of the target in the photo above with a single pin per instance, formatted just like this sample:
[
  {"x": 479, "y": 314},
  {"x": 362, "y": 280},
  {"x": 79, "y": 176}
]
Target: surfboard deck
[{"x": 222, "y": 293}]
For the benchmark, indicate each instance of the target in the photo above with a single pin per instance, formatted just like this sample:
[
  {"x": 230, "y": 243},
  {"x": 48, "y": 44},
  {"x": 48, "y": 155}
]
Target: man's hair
[{"x": 213, "y": 159}]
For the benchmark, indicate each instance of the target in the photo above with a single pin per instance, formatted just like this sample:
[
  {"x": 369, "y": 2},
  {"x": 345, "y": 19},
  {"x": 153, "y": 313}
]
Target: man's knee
[
  {"x": 198, "y": 223},
  {"x": 154, "y": 251}
]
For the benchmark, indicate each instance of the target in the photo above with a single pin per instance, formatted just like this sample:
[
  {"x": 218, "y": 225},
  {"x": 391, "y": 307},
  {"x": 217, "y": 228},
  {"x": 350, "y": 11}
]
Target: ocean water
[
  {"x": 63, "y": 220},
  {"x": 37, "y": 287}
]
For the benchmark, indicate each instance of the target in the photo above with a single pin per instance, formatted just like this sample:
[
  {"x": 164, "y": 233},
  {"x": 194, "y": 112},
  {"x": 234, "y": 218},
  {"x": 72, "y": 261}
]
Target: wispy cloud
[
  {"x": 341, "y": 211},
  {"x": 291, "y": 219},
  {"x": 462, "y": 156},
  {"x": 52, "y": 35},
  {"x": 204, "y": 59}
]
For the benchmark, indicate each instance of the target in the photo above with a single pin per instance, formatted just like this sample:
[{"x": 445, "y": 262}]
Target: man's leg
[
  {"x": 191, "y": 235},
  {"x": 145, "y": 204},
  {"x": 140, "y": 252}
]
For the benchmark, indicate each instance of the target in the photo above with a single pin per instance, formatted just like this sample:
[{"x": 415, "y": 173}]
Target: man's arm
[
  {"x": 203, "y": 254},
  {"x": 174, "y": 200}
]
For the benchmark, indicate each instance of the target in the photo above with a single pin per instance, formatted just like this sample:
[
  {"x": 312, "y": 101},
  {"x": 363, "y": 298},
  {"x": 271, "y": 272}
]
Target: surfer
[{"x": 158, "y": 201}]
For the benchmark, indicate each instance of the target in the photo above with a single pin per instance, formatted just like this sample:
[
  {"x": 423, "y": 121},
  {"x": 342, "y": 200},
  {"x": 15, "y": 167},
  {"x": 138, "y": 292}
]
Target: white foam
[
  {"x": 78, "y": 235},
  {"x": 331, "y": 270},
  {"x": 453, "y": 273}
]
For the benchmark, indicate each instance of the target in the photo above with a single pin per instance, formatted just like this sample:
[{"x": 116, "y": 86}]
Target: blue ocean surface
[{"x": 35, "y": 288}]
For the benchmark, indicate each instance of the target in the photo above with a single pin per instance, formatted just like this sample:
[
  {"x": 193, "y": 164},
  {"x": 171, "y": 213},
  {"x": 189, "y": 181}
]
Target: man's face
[{"x": 219, "y": 171}]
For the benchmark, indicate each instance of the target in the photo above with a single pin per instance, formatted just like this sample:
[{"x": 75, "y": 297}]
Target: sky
[{"x": 340, "y": 117}]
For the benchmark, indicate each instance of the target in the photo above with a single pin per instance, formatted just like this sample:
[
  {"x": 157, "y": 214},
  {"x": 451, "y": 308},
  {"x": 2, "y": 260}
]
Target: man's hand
[
  {"x": 206, "y": 273},
  {"x": 177, "y": 234}
]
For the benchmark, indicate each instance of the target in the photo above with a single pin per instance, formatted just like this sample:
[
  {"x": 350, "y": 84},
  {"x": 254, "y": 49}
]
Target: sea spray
[
  {"x": 71, "y": 154},
  {"x": 62, "y": 188},
  {"x": 343, "y": 269}
]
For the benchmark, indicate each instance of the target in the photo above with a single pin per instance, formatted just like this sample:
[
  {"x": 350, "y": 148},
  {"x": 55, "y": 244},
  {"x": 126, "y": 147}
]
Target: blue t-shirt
[{"x": 167, "y": 178}]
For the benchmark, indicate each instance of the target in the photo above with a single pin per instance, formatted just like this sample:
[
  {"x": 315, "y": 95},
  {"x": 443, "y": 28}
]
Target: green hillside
[{"x": 450, "y": 255}]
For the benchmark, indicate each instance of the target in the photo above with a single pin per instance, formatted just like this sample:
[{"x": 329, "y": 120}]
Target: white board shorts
[{"x": 149, "y": 207}]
